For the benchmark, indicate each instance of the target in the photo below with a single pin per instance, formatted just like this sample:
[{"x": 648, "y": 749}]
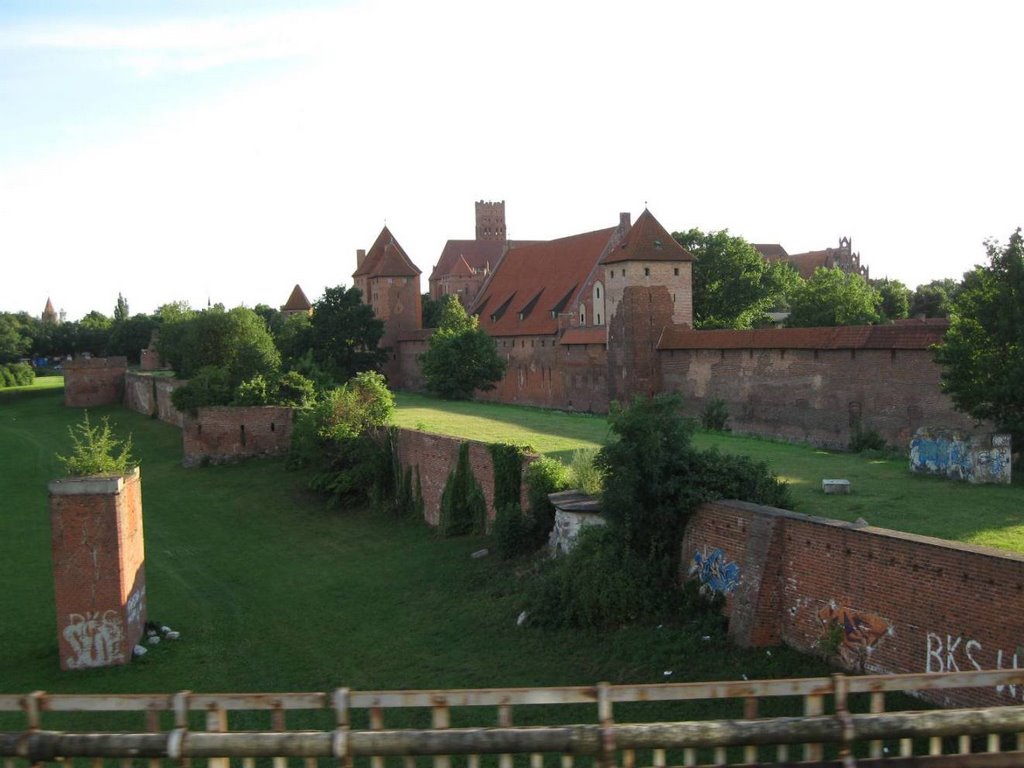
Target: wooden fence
[{"x": 827, "y": 729}]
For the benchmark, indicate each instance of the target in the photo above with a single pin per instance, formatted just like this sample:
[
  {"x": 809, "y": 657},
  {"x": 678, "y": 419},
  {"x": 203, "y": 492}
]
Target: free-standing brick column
[{"x": 98, "y": 568}]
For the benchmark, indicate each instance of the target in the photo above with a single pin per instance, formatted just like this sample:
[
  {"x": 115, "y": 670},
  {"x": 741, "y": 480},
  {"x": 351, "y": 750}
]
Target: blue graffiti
[{"x": 716, "y": 574}]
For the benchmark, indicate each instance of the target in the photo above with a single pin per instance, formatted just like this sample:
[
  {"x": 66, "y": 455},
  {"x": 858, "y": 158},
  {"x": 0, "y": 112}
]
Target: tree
[
  {"x": 733, "y": 286},
  {"x": 431, "y": 311},
  {"x": 933, "y": 299},
  {"x": 121, "y": 309},
  {"x": 13, "y": 343},
  {"x": 344, "y": 333},
  {"x": 93, "y": 333},
  {"x": 833, "y": 297},
  {"x": 983, "y": 352},
  {"x": 130, "y": 336},
  {"x": 461, "y": 357},
  {"x": 894, "y": 298}
]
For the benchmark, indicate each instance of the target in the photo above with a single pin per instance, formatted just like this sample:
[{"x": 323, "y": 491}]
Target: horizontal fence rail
[{"x": 978, "y": 736}]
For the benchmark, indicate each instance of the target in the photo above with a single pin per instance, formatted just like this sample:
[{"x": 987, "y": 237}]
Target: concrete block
[{"x": 835, "y": 486}]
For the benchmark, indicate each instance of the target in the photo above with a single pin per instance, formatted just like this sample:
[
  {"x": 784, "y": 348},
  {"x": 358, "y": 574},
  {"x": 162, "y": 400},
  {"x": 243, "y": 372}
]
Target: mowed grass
[
  {"x": 884, "y": 492},
  {"x": 272, "y": 591}
]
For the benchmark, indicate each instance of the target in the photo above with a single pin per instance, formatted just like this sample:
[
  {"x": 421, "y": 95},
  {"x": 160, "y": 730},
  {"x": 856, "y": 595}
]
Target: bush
[
  {"x": 463, "y": 507},
  {"x": 715, "y": 415},
  {"x": 6, "y": 377},
  {"x": 208, "y": 387},
  {"x": 584, "y": 474},
  {"x": 866, "y": 440},
  {"x": 544, "y": 476},
  {"x": 513, "y": 532},
  {"x": 600, "y": 584},
  {"x": 23, "y": 374},
  {"x": 295, "y": 390},
  {"x": 507, "y": 460},
  {"x": 96, "y": 451},
  {"x": 255, "y": 391}
]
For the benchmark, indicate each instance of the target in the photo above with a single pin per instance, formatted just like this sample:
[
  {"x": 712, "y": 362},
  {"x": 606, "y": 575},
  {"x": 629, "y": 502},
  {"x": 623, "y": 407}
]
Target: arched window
[
  {"x": 598, "y": 302},
  {"x": 583, "y": 314}
]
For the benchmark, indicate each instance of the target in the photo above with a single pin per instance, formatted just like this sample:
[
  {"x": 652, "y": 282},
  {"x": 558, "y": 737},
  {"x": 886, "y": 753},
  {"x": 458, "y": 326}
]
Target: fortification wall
[
  {"x": 89, "y": 382},
  {"x": 151, "y": 396},
  {"x": 881, "y": 601},
  {"x": 816, "y": 396},
  {"x": 221, "y": 434},
  {"x": 435, "y": 456}
]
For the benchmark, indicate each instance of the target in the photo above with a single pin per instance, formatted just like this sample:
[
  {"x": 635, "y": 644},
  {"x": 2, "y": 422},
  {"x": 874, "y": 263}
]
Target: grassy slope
[
  {"x": 884, "y": 492},
  {"x": 273, "y": 592}
]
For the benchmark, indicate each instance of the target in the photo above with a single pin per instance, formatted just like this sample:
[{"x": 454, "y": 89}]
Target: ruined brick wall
[
  {"x": 151, "y": 396},
  {"x": 902, "y": 603},
  {"x": 222, "y": 434},
  {"x": 89, "y": 382},
  {"x": 98, "y": 569},
  {"x": 634, "y": 364},
  {"x": 815, "y": 396},
  {"x": 435, "y": 456}
]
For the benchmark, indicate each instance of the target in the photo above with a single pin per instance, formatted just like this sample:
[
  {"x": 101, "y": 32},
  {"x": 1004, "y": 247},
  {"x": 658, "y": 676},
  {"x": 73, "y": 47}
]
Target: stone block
[{"x": 832, "y": 486}]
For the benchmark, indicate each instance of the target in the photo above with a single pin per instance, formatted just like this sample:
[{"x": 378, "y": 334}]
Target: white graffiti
[
  {"x": 954, "y": 653},
  {"x": 136, "y": 606},
  {"x": 95, "y": 639}
]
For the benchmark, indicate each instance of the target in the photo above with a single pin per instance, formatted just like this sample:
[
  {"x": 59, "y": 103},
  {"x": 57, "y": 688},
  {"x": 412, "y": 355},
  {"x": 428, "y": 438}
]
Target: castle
[{"x": 603, "y": 316}]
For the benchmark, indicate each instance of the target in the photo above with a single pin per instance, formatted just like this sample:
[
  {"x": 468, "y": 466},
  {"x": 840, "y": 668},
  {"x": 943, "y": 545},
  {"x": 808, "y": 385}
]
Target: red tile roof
[
  {"x": 592, "y": 335},
  {"x": 647, "y": 240},
  {"x": 532, "y": 281},
  {"x": 386, "y": 258},
  {"x": 770, "y": 251},
  {"x": 297, "y": 302},
  {"x": 461, "y": 268},
  {"x": 902, "y": 336},
  {"x": 479, "y": 254}
]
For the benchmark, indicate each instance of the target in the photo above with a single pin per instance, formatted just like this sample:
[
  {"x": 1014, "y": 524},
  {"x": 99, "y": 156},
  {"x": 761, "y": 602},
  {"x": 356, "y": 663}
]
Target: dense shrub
[
  {"x": 255, "y": 391},
  {"x": 463, "y": 507},
  {"x": 715, "y": 415},
  {"x": 601, "y": 584},
  {"x": 209, "y": 386},
  {"x": 544, "y": 476},
  {"x": 507, "y": 459},
  {"x": 95, "y": 450},
  {"x": 514, "y": 533},
  {"x": 295, "y": 390},
  {"x": 584, "y": 474}
]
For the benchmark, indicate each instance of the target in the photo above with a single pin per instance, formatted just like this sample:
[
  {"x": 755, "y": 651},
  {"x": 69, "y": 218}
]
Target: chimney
[
  {"x": 360, "y": 255},
  {"x": 624, "y": 222}
]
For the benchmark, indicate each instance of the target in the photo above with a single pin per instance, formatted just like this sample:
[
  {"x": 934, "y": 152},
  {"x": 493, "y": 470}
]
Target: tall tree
[
  {"x": 13, "y": 343},
  {"x": 983, "y": 352},
  {"x": 894, "y": 298},
  {"x": 121, "y": 309},
  {"x": 833, "y": 297},
  {"x": 933, "y": 299},
  {"x": 733, "y": 286},
  {"x": 461, "y": 357},
  {"x": 345, "y": 333}
]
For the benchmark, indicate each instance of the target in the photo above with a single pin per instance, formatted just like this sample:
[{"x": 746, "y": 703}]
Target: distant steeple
[{"x": 49, "y": 313}]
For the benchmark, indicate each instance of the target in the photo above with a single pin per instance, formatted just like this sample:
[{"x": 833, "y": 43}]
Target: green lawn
[
  {"x": 271, "y": 591},
  {"x": 884, "y": 492}
]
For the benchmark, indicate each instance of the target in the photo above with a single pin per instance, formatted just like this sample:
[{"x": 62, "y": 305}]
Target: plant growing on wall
[
  {"x": 95, "y": 450},
  {"x": 463, "y": 507}
]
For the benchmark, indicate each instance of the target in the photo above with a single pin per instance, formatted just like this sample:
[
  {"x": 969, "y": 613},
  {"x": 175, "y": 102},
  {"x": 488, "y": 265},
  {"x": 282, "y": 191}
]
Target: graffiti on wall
[
  {"x": 855, "y": 634},
  {"x": 972, "y": 459},
  {"x": 96, "y": 639},
  {"x": 135, "y": 608},
  {"x": 717, "y": 574},
  {"x": 956, "y": 653}
]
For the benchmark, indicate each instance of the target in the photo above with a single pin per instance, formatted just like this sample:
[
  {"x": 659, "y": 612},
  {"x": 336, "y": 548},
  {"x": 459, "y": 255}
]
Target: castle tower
[
  {"x": 490, "y": 221},
  {"x": 649, "y": 285},
  {"x": 49, "y": 316}
]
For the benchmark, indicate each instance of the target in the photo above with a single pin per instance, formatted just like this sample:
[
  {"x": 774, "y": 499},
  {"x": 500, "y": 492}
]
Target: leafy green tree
[
  {"x": 130, "y": 336},
  {"x": 13, "y": 342},
  {"x": 92, "y": 333},
  {"x": 833, "y": 297},
  {"x": 431, "y": 311},
  {"x": 894, "y": 298},
  {"x": 121, "y": 309},
  {"x": 933, "y": 299},
  {"x": 236, "y": 340},
  {"x": 733, "y": 286},
  {"x": 983, "y": 352},
  {"x": 294, "y": 338},
  {"x": 461, "y": 357},
  {"x": 272, "y": 317},
  {"x": 345, "y": 333}
]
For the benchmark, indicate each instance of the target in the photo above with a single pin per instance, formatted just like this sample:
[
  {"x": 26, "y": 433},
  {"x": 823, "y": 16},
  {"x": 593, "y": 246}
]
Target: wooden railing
[{"x": 196, "y": 726}]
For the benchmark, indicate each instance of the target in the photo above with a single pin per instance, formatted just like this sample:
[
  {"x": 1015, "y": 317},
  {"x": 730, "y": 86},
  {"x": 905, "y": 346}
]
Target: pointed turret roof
[
  {"x": 297, "y": 302},
  {"x": 386, "y": 258},
  {"x": 647, "y": 240}
]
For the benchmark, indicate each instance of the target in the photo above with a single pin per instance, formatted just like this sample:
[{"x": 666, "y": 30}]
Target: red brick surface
[
  {"x": 435, "y": 457},
  {"x": 229, "y": 433},
  {"x": 99, "y": 574},
  {"x": 89, "y": 382},
  {"x": 945, "y": 606}
]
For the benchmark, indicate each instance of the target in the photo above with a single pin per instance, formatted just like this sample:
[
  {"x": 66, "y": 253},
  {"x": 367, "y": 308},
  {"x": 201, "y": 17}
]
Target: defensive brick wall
[
  {"x": 89, "y": 382},
  {"x": 435, "y": 456},
  {"x": 222, "y": 434},
  {"x": 875, "y": 600},
  {"x": 151, "y": 396}
]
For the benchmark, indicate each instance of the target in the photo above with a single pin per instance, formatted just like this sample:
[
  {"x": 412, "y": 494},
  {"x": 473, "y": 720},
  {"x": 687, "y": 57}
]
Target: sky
[{"x": 224, "y": 151}]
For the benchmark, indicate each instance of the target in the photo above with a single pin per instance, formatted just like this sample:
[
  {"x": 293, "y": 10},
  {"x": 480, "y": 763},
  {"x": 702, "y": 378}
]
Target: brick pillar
[{"x": 98, "y": 568}]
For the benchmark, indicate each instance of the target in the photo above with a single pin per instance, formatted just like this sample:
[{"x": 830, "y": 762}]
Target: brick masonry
[
  {"x": 151, "y": 396},
  {"x": 89, "y": 382},
  {"x": 228, "y": 433},
  {"x": 98, "y": 569},
  {"x": 902, "y": 603},
  {"x": 435, "y": 457}
]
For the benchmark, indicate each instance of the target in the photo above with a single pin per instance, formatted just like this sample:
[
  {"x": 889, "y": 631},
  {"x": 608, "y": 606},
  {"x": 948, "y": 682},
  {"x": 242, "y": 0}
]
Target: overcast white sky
[{"x": 227, "y": 151}]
